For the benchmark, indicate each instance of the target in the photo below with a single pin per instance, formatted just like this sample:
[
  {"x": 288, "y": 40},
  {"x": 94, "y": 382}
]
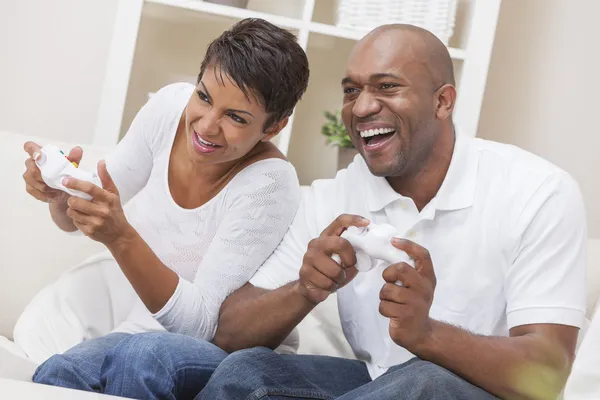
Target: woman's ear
[{"x": 274, "y": 129}]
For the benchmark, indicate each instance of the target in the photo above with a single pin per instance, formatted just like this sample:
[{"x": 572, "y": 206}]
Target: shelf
[
  {"x": 229, "y": 12},
  {"x": 331, "y": 30}
]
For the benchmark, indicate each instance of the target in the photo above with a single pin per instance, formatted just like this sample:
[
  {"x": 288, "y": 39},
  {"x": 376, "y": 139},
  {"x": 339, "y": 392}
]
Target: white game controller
[
  {"x": 373, "y": 246},
  {"x": 55, "y": 166}
]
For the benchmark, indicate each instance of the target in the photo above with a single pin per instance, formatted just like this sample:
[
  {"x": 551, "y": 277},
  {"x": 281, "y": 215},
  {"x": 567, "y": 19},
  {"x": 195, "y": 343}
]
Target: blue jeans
[
  {"x": 157, "y": 365},
  {"x": 260, "y": 373}
]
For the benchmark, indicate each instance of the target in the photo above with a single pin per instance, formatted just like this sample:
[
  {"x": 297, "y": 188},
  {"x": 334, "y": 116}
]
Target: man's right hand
[
  {"x": 320, "y": 275},
  {"x": 34, "y": 183}
]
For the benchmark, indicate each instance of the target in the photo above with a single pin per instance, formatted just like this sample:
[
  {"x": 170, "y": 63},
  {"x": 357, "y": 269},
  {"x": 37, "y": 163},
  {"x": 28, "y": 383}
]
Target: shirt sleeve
[
  {"x": 283, "y": 266},
  {"x": 130, "y": 162},
  {"x": 261, "y": 208},
  {"x": 545, "y": 283}
]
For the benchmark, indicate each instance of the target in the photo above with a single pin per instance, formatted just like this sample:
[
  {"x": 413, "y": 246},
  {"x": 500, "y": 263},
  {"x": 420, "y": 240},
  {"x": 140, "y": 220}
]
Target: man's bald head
[{"x": 423, "y": 46}]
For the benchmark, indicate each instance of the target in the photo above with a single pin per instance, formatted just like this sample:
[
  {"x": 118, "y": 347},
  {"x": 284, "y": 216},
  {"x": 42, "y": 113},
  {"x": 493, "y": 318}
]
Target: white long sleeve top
[{"x": 216, "y": 248}]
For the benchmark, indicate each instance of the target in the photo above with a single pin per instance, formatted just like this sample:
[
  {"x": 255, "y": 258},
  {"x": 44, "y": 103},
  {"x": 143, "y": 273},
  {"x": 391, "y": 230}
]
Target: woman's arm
[{"x": 263, "y": 200}]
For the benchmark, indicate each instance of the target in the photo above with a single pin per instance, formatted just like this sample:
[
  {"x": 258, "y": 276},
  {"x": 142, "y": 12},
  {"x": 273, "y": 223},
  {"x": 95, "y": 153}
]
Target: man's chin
[{"x": 379, "y": 169}]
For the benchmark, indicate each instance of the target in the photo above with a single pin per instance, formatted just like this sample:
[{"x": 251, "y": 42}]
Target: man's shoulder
[
  {"x": 520, "y": 176},
  {"x": 515, "y": 166}
]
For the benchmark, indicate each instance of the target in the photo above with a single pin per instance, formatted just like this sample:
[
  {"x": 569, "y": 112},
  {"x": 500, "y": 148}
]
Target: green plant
[{"x": 335, "y": 131}]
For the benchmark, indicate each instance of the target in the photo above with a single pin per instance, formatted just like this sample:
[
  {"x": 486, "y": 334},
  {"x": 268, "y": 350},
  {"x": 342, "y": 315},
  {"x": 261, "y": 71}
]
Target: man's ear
[
  {"x": 274, "y": 129},
  {"x": 446, "y": 100}
]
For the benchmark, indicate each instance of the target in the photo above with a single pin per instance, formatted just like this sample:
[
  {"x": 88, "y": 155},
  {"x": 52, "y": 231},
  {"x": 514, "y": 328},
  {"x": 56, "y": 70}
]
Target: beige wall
[
  {"x": 52, "y": 65},
  {"x": 543, "y": 90}
]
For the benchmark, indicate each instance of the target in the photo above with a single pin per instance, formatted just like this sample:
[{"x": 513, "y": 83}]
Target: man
[{"x": 497, "y": 295}]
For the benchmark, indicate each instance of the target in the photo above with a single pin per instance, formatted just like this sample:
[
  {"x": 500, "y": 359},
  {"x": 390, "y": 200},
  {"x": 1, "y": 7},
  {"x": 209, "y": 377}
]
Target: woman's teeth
[
  {"x": 204, "y": 142},
  {"x": 373, "y": 132}
]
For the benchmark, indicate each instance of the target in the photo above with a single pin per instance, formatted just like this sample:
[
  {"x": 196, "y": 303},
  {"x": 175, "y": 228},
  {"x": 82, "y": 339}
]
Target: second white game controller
[
  {"x": 55, "y": 166},
  {"x": 373, "y": 246}
]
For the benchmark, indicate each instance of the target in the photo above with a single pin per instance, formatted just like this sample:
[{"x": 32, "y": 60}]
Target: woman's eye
[
  {"x": 202, "y": 96},
  {"x": 238, "y": 119}
]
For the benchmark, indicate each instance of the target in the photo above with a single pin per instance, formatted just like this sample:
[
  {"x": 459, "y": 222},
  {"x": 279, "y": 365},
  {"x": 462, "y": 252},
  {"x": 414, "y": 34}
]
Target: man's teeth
[
  {"x": 373, "y": 132},
  {"x": 204, "y": 142}
]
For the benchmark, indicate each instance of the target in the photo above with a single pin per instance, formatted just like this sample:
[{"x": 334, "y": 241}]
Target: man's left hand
[{"x": 408, "y": 306}]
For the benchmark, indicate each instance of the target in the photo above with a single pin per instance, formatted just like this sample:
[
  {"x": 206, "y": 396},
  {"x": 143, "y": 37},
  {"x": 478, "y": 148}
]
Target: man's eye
[
  {"x": 350, "y": 90},
  {"x": 385, "y": 86}
]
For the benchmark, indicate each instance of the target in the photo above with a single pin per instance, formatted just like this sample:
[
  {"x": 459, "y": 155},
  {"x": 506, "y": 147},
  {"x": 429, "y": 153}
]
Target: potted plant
[{"x": 335, "y": 132}]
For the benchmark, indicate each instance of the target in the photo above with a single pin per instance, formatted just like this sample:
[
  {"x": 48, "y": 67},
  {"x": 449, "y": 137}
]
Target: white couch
[{"x": 35, "y": 253}]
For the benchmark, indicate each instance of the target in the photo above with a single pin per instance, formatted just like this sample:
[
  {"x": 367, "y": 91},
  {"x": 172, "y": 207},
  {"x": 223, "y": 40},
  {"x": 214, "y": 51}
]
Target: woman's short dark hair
[{"x": 264, "y": 61}]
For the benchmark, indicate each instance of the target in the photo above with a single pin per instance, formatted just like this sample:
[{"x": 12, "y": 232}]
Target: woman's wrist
[{"x": 123, "y": 241}]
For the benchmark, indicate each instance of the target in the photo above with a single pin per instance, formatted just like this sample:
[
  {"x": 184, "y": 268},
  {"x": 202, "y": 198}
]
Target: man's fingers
[
  {"x": 330, "y": 269},
  {"x": 341, "y": 223},
  {"x": 313, "y": 277},
  {"x": 395, "y": 293},
  {"x": 422, "y": 257},
  {"x": 31, "y": 148},
  {"x": 390, "y": 309},
  {"x": 331, "y": 245},
  {"x": 404, "y": 273}
]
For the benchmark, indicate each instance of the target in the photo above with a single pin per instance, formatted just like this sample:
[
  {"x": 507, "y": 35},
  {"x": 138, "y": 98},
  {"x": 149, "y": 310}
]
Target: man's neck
[{"x": 423, "y": 186}]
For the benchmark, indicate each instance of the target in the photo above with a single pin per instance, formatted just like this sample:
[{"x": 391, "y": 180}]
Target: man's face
[{"x": 389, "y": 104}]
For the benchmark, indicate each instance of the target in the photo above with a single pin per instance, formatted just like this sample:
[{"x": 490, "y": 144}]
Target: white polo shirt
[{"x": 506, "y": 233}]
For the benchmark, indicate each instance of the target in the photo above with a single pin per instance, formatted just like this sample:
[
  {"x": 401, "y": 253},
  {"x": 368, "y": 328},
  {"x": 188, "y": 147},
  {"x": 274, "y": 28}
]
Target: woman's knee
[
  {"x": 49, "y": 370},
  {"x": 169, "y": 349}
]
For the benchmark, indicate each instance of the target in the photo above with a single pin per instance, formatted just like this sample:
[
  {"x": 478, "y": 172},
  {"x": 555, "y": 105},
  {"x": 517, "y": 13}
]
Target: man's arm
[
  {"x": 257, "y": 317},
  {"x": 533, "y": 363},
  {"x": 545, "y": 302}
]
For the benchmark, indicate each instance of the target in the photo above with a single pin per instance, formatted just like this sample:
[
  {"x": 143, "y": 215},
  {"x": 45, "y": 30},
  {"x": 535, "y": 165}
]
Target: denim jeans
[
  {"x": 157, "y": 365},
  {"x": 260, "y": 373}
]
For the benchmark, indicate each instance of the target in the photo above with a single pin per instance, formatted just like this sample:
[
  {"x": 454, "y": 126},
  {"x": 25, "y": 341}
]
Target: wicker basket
[{"x": 437, "y": 16}]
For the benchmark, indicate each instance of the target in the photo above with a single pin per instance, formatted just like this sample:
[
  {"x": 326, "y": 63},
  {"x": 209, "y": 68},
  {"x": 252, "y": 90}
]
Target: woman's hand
[
  {"x": 35, "y": 185},
  {"x": 102, "y": 219}
]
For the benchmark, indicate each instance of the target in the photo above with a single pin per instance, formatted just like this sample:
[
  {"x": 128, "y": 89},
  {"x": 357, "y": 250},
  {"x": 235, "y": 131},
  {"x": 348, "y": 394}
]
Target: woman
[{"x": 214, "y": 197}]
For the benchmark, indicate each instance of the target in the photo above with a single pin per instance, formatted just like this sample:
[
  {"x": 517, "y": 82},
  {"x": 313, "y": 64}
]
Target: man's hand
[
  {"x": 320, "y": 275},
  {"x": 408, "y": 306}
]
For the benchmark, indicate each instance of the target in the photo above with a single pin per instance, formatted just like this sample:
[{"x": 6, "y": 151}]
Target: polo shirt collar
[{"x": 457, "y": 190}]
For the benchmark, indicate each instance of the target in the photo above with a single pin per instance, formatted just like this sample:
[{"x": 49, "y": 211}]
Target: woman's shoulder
[{"x": 268, "y": 175}]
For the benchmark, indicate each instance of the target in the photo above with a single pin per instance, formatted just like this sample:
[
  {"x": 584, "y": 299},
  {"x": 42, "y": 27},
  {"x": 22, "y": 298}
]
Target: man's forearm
[
  {"x": 523, "y": 367},
  {"x": 256, "y": 317}
]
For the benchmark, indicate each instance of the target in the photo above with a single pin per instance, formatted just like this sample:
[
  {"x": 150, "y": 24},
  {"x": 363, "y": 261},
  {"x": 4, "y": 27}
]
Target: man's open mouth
[{"x": 375, "y": 136}]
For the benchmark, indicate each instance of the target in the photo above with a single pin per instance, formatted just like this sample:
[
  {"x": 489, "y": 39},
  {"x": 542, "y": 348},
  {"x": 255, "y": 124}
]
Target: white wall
[
  {"x": 52, "y": 65},
  {"x": 543, "y": 90}
]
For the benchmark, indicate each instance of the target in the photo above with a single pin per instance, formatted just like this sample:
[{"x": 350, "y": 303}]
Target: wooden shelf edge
[{"x": 231, "y": 12}]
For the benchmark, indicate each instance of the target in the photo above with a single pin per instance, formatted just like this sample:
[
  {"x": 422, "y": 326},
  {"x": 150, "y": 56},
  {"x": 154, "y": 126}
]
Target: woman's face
[{"x": 222, "y": 124}]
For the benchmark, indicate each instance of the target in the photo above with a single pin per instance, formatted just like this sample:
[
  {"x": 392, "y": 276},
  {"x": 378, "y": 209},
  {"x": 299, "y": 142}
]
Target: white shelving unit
[{"x": 156, "y": 42}]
